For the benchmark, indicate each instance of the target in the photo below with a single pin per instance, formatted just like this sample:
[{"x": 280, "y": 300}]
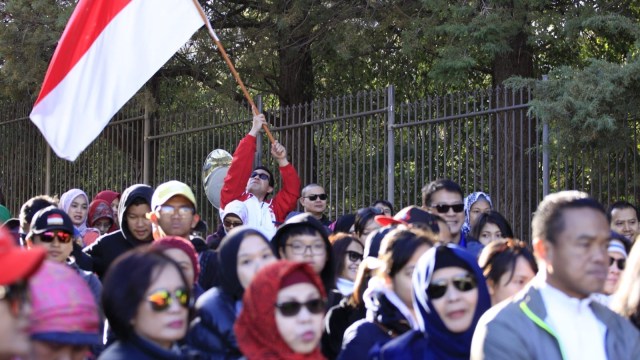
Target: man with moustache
[
  {"x": 444, "y": 197},
  {"x": 555, "y": 317},
  {"x": 313, "y": 199}
]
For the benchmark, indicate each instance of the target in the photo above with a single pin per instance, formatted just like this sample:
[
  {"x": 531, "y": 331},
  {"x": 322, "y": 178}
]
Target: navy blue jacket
[
  {"x": 212, "y": 332},
  {"x": 141, "y": 349},
  {"x": 364, "y": 336}
]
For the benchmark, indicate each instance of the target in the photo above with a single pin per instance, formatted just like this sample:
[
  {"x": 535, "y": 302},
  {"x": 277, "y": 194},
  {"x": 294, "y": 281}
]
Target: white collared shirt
[{"x": 580, "y": 333}]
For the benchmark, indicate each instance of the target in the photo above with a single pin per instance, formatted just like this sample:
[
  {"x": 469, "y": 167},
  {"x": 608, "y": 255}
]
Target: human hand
[
  {"x": 258, "y": 121},
  {"x": 279, "y": 153}
]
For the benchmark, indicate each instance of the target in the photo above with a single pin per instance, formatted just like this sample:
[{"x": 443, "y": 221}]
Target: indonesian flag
[{"x": 108, "y": 51}]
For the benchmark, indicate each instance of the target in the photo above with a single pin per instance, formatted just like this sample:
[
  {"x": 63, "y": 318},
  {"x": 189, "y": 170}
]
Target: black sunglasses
[
  {"x": 292, "y": 308},
  {"x": 48, "y": 236},
  {"x": 354, "y": 256},
  {"x": 463, "y": 283},
  {"x": 443, "y": 208},
  {"x": 260, "y": 175},
  {"x": 316, "y": 196},
  {"x": 620, "y": 263}
]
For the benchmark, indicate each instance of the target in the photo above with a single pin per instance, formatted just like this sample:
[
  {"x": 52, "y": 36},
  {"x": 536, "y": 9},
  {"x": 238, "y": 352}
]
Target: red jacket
[{"x": 267, "y": 215}]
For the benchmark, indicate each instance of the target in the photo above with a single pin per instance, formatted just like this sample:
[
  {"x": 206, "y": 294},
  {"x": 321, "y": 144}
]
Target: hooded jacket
[
  {"x": 212, "y": 332},
  {"x": 432, "y": 339},
  {"x": 109, "y": 246}
]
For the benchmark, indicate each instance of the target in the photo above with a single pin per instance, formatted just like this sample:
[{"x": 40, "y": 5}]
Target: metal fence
[{"x": 361, "y": 147}]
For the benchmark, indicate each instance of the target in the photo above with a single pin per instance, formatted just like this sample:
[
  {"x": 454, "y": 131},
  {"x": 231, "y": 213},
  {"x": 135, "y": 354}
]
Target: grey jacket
[{"x": 516, "y": 329}]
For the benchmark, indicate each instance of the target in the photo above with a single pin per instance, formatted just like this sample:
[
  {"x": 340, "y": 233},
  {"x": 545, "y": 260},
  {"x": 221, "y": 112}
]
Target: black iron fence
[{"x": 361, "y": 147}]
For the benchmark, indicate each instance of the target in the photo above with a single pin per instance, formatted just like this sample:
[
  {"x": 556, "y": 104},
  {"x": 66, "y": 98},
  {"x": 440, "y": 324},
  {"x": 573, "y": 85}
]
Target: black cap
[{"x": 50, "y": 218}]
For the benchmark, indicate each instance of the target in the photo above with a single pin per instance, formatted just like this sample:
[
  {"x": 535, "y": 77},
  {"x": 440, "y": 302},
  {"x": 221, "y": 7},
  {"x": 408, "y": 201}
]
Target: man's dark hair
[
  {"x": 437, "y": 185},
  {"x": 548, "y": 221},
  {"x": 619, "y": 205},
  {"x": 32, "y": 206},
  {"x": 385, "y": 203},
  {"x": 122, "y": 293}
]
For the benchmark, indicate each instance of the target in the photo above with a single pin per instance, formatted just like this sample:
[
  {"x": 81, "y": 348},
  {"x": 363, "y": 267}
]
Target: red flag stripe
[{"x": 86, "y": 24}]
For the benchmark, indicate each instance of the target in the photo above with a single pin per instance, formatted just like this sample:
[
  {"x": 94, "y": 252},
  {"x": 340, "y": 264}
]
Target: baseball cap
[
  {"x": 17, "y": 263},
  {"x": 167, "y": 190},
  {"x": 50, "y": 218},
  {"x": 409, "y": 215}
]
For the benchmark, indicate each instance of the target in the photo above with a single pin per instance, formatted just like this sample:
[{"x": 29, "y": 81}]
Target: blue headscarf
[
  {"x": 468, "y": 203},
  {"x": 442, "y": 343}
]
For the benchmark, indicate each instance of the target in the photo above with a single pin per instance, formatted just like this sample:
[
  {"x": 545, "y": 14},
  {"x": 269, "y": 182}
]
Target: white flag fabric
[{"x": 107, "y": 52}]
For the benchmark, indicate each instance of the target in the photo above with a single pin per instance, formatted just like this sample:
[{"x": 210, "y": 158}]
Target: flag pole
[{"x": 215, "y": 39}]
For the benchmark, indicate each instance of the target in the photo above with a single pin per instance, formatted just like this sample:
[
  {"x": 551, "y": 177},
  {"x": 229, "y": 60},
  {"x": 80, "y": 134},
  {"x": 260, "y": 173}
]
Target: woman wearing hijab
[
  {"x": 113, "y": 198},
  {"x": 100, "y": 216},
  {"x": 76, "y": 204},
  {"x": 242, "y": 253},
  {"x": 475, "y": 204},
  {"x": 450, "y": 294},
  {"x": 283, "y": 314}
]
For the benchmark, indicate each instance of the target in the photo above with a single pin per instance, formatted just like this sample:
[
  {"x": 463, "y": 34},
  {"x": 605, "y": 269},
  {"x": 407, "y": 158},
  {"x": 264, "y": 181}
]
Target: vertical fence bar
[
  {"x": 391, "y": 144},
  {"x": 47, "y": 178},
  {"x": 146, "y": 150}
]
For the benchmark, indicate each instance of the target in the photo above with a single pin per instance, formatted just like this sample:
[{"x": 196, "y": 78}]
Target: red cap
[{"x": 17, "y": 263}]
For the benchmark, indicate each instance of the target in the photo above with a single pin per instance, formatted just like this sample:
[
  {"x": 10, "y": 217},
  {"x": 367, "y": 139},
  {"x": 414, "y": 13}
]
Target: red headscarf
[
  {"x": 255, "y": 328},
  {"x": 109, "y": 196}
]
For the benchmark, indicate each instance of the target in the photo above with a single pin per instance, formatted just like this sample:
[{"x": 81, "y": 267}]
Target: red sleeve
[
  {"x": 241, "y": 165},
  {"x": 286, "y": 199}
]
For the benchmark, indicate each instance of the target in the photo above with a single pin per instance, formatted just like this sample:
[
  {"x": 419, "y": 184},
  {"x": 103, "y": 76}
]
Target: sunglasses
[
  {"x": 262, "y": 176},
  {"x": 49, "y": 236},
  {"x": 463, "y": 283},
  {"x": 17, "y": 295},
  {"x": 231, "y": 224},
  {"x": 292, "y": 308},
  {"x": 354, "y": 256},
  {"x": 620, "y": 263},
  {"x": 160, "y": 300},
  {"x": 443, "y": 208},
  {"x": 316, "y": 196},
  {"x": 168, "y": 210}
]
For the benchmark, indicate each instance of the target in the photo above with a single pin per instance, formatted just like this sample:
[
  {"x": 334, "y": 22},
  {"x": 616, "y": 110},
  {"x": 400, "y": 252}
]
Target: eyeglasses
[
  {"x": 48, "y": 236},
  {"x": 354, "y": 256},
  {"x": 463, "y": 283},
  {"x": 443, "y": 208},
  {"x": 620, "y": 263},
  {"x": 300, "y": 249},
  {"x": 160, "y": 300},
  {"x": 314, "y": 197},
  {"x": 262, "y": 176},
  {"x": 17, "y": 295},
  {"x": 292, "y": 308},
  {"x": 231, "y": 224},
  {"x": 168, "y": 210}
]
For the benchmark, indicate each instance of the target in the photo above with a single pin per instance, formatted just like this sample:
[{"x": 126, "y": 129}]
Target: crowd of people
[{"x": 136, "y": 275}]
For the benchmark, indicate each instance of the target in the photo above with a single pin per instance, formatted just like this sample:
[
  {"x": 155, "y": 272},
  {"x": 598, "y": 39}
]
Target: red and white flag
[{"x": 107, "y": 52}]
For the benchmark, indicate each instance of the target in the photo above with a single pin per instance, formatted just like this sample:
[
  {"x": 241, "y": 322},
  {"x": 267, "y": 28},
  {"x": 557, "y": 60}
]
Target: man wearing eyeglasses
[
  {"x": 313, "y": 200},
  {"x": 556, "y": 316},
  {"x": 173, "y": 210},
  {"x": 253, "y": 186},
  {"x": 444, "y": 198}
]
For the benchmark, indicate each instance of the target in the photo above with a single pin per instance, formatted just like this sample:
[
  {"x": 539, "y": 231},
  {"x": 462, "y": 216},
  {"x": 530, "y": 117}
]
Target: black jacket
[
  {"x": 211, "y": 334},
  {"x": 141, "y": 349},
  {"x": 364, "y": 335},
  {"x": 338, "y": 319},
  {"x": 109, "y": 246}
]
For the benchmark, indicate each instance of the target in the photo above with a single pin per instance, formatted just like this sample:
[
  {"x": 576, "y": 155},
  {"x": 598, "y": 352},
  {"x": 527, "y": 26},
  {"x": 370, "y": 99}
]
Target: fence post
[
  {"x": 390, "y": 144},
  {"x": 47, "y": 178},
  {"x": 258, "y": 156},
  {"x": 146, "y": 150},
  {"x": 545, "y": 152}
]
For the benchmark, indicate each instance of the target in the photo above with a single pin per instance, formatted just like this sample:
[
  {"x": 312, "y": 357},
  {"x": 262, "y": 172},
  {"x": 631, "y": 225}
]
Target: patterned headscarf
[{"x": 468, "y": 202}]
